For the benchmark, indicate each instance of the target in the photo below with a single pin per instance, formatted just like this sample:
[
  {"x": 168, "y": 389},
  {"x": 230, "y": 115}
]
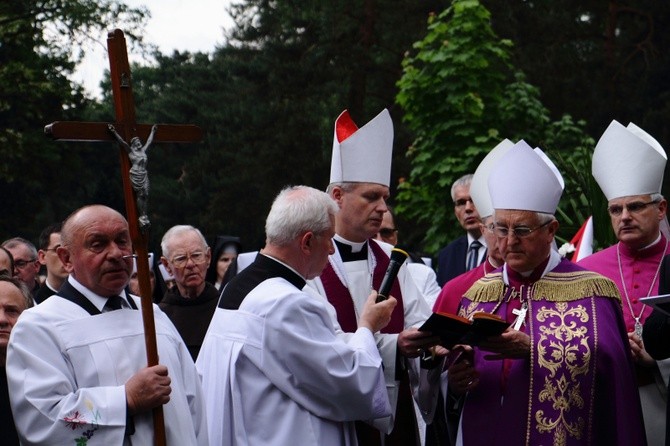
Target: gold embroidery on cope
[{"x": 563, "y": 349}]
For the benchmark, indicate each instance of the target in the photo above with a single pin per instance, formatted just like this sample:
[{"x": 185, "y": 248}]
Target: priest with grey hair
[
  {"x": 274, "y": 370},
  {"x": 548, "y": 378}
]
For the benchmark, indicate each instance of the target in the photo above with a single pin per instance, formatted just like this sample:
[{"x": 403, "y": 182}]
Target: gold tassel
[{"x": 553, "y": 287}]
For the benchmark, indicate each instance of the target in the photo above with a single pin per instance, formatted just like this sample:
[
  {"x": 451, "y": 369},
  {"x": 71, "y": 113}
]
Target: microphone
[{"x": 398, "y": 257}]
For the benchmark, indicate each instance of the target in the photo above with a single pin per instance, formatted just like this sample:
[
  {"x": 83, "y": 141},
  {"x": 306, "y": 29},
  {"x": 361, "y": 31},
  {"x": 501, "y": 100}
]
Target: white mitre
[
  {"x": 628, "y": 161},
  {"x": 479, "y": 186},
  {"x": 522, "y": 180},
  {"x": 362, "y": 155}
]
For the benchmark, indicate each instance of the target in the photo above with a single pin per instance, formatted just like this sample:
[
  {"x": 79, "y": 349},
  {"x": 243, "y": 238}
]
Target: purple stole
[{"x": 339, "y": 297}]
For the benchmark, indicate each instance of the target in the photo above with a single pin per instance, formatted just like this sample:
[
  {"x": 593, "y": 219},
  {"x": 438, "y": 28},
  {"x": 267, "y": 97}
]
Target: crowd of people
[{"x": 293, "y": 345}]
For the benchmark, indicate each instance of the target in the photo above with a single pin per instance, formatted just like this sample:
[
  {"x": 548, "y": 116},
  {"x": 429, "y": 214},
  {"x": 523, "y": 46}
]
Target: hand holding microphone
[{"x": 398, "y": 257}]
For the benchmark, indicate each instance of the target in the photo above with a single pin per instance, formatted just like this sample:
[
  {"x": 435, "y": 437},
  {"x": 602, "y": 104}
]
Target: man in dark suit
[{"x": 467, "y": 251}]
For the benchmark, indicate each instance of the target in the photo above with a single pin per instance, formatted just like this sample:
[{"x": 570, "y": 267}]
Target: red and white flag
[{"x": 583, "y": 241}]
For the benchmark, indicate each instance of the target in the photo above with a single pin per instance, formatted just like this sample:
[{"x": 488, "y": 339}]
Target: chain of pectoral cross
[{"x": 509, "y": 295}]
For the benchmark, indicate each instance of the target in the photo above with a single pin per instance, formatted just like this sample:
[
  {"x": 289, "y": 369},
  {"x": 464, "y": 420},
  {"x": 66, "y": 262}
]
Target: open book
[{"x": 453, "y": 329}]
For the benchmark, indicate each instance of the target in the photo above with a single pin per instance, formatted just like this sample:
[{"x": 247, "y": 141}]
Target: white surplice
[
  {"x": 67, "y": 370},
  {"x": 274, "y": 372},
  {"x": 357, "y": 277},
  {"x": 426, "y": 280}
]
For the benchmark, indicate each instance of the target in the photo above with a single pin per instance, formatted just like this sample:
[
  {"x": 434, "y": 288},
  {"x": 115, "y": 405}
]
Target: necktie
[
  {"x": 113, "y": 303},
  {"x": 473, "y": 254}
]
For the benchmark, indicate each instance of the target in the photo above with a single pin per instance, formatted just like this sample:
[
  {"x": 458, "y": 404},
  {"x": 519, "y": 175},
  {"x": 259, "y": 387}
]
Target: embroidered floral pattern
[
  {"x": 563, "y": 349},
  {"x": 77, "y": 420}
]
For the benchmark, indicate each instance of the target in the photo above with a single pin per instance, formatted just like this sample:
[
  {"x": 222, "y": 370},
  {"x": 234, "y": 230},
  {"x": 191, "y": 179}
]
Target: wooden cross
[{"x": 127, "y": 129}]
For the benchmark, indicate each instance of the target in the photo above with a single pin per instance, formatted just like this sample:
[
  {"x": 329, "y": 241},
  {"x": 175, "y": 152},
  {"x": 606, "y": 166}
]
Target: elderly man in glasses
[
  {"x": 190, "y": 304},
  {"x": 26, "y": 264},
  {"x": 628, "y": 165},
  {"x": 549, "y": 378}
]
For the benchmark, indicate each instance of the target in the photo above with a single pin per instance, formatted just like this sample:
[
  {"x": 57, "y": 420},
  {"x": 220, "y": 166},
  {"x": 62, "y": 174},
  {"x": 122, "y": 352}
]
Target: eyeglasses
[
  {"x": 490, "y": 227},
  {"x": 518, "y": 231},
  {"x": 633, "y": 208},
  {"x": 462, "y": 202},
  {"x": 20, "y": 264},
  {"x": 198, "y": 258},
  {"x": 387, "y": 232},
  {"x": 53, "y": 249}
]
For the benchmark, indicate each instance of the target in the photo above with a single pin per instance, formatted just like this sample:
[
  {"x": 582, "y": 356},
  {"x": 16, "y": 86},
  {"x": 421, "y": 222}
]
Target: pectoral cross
[
  {"x": 128, "y": 133},
  {"x": 520, "y": 316}
]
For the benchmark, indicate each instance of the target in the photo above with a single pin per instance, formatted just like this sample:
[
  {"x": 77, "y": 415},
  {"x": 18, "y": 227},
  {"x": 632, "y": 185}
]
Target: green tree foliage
[
  {"x": 40, "y": 181},
  {"x": 597, "y": 61},
  {"x": 455, "y": 92},
  {"x": 267, "y": 102},
  {"x": 461, "y": 96},
  {"x": 268, "y": 98}
]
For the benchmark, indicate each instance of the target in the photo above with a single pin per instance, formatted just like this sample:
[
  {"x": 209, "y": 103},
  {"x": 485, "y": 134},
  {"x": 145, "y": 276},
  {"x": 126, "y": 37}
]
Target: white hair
[
  {"x": 296, "y": 210},
  {"x": 178, "y": 230},
  {"x": 463, "y": 181}
]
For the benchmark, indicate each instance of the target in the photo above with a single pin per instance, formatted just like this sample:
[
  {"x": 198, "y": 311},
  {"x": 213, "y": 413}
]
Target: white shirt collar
[
  {"x": 481, "y": 240},
  {"x": 98, "y": 301}
]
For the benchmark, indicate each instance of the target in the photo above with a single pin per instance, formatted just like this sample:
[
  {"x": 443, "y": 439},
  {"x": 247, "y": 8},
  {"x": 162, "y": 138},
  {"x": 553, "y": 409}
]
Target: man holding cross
[{"x": 76, "y": 365}]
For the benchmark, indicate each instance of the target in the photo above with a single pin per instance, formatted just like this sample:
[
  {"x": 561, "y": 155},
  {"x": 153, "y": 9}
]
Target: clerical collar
[
  {"x": 347, "y": 253},
  {"x": 351, "y": 251},
  {"x": 510, "y": 276},
  {"x": 650, "y": 250},
  {"x": 658, "y": 239},
  {"x": 98, "y": 301},
  {"x": 54, "y": 289}
]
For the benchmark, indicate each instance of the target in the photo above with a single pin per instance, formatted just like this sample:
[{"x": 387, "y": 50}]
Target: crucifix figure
[
  {"x": 139, "y": 176},
  {"x": 134, "y": 175}
]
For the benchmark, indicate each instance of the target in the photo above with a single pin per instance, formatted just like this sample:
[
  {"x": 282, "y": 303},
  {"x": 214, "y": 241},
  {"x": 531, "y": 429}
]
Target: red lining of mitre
[{"x": 344, "y": 126}]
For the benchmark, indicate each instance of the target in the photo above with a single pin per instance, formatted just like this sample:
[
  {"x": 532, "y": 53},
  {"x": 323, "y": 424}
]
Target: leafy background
[{"x": 457, "y": 77}]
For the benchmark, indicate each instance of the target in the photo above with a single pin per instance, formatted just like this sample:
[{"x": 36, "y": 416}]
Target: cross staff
[{"x": 126, "y": 129}]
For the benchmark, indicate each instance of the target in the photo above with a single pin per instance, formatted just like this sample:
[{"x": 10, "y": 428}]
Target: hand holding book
[{"x": 453, "y": 329}]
